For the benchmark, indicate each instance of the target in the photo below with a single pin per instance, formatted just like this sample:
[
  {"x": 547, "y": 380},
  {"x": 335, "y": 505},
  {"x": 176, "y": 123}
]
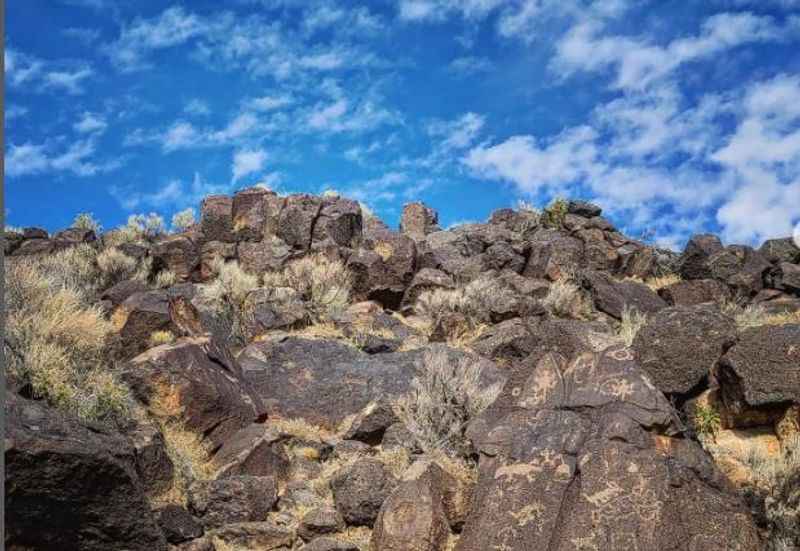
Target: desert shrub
[
  {"x": 366, "y": 212},
  {"x": 775, "y": 494},
  {"x": 325, "y": 284},
  {"x": 56, "y": 343},
  {"x": 74, "y": 268},
  {"x": 165, "y": 278},
  {"x": 474, "y": 300},
  {"x": 632, "y": 321},
  {"x": 149, "y": 226},
  {"x": 526, "y": 206},
  {"x": 158, "y": 338},
  {"x": 86, "y": 221},
  {"x": 555, "y": 213},
  {"x": 183, "y": 220},
  {"x": 706, "y": 420},
  {"x": 116, "y": 266},
  {"x": 13, "y": 229},
  {"x": 227, "y": 294},
  {"x": 659, "y": 282},
  {"x": 444, "y": 396},
  {"x": 565, "y": 299},
  {"x": 755, "y": 315},
  {"x": 435, "y": 303}
]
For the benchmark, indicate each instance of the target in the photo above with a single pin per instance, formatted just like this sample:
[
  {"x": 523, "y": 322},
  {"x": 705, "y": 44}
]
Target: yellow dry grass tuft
[{"x": 158, "y": 338}]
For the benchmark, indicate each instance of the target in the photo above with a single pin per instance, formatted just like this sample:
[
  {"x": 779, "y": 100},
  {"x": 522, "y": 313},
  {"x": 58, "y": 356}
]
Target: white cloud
[
  {"x": 247, "y": 162},
  {"x": 31, "y": 159},
  {"x": 197, "y": 107},
  {"x": 90, "y": 123},
  {"x": 241, "y": 125},
  {"x": 172, "y": 27},
  {"x": 638, "y": 63},
  {"x": 270, "y": 103},
  {"x": 172, "y": 196},
  {"x": 459, "y": 133},
  {"x": 470, "y": 65},
  {"x": 340, "y": 116},
  {"x": 181, "y": 135},
  {"x": 438, "y": 10},
  {"x": 83, "y": 34},
  {"x": 68, "y": 81}
]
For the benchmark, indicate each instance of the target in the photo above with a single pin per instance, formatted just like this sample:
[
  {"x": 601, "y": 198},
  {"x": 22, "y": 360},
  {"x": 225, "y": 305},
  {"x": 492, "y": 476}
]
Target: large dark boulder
[
  {"x": 741, "y": 268},
  {"x": 418, "y": 220},
  {"x": 178, "y": 524},
  {"x": 679, "y": 346},
  {"x": 553, "y": 255},
  {"x": 339, "y": 223},
  {"x": 612, "y": 296},
  {"x": 780, "y": 250},
  {"x": 694, "y": 291},
  {"x": 216, "y": 219},
  {"x": 296, "y": 220},
  {"x": 763, "y": 368},
  {"x": 413, "y": 518},
  {"x": 384, "y": 268},
  {"x": 255, "y": 450},
  {"x": 177, "y": 253},
  {"x": 197, "y": 383},
  {"x": 249, "y": 213},
  {"x": 585, "y": 460},
  {"x": 692, "y": 263},
  {"x": 267, "y": 255},
  {"x": 273, "y": 308},
  {"x": 325, "y": 381},
  {"x": 584, "y": 209},
  {"x": 360, "y": 489},
  {"x": 232, "y": 499},
  {"x": 71, "y": 486}
]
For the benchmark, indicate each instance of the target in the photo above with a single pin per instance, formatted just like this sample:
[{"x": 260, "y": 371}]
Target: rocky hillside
[{"x": 290, "y": 373}]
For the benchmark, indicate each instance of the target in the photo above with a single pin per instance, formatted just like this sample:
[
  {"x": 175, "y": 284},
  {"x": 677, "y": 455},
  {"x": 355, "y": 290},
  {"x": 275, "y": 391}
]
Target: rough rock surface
[
  {"x": 612, "y": 296},
  {"x": 324, "y": 381},
  {"x": 360, "y": 489},
  {"x": 679, "y": 346},
  {"x": 232, "y": 499},
  {"x": 69, "y": 486},
  {"x": 585, "y": 462},
  {"x": 763, "y": 367},
  {"x": 197, "y": 383}
]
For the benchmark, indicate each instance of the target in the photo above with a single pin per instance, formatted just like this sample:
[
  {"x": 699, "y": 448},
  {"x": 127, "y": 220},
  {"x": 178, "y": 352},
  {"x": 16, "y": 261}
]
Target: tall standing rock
[
  {"x": 216, "y": 219},
  {"x": 418, "y": 220},
  {"x": 692, "y": 263}
]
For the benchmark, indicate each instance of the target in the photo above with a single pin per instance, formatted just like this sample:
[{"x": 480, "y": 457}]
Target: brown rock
[
  {"x": 232, "y": 499},
  {"x": 360, "y": 489},
  {"x": 264, "y": 536},
  {"x": 296, "y": 220},
  {"x": 216, "y": 219},
  {"x": 249, "y": 213},
  {"x": 694, "y": 291},
  {"x": 692, "y": 263},
  {"x": 418, "y": 220},
  {"x": 612, "y": 296}
]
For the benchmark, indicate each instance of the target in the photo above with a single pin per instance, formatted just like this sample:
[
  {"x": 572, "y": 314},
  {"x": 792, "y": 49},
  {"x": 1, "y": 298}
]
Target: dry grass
[
  {"x": 324, "y": 331},
  {"x": 632, "y": 321},
  {"x": 59, "y": 342},
  {"x": 384, "y": 249},
  {"x": 165, "y": 278},
  {"x": 755, "y": 315},
  {"x": 444, "y": 396},
  {"x": 86, "y": 221},
  {"x": 157, "y": 338},
  {"x": 190, "y": 458},
  {"x": 565, "y": 299},
  {"x": 324, "y": 284},
  {"x": 301, "y": 428},
  {"x": 183, "y": 220},
  {"x": 778, "y": 493},
  {"x": 227, "y": 294},
  {"x": 658, "y": 283},
  {"x": 359, "y": 536}
]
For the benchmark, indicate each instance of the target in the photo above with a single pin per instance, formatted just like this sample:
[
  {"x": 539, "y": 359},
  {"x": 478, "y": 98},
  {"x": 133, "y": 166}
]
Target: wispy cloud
[
  {"x": 247, "y": 161},
  {"x": 31, "y": 159},
  {"x": 91, "y": 123},
  {"x": 197, "y": 107}
]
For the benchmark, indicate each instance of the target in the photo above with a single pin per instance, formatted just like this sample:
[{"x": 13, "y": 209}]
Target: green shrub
[
  {"x": 554, "y": 215},
  {"x": 706, "y": 420},
  {"x": 86, "y": 221},
  {"x": 183, "y": 220}
]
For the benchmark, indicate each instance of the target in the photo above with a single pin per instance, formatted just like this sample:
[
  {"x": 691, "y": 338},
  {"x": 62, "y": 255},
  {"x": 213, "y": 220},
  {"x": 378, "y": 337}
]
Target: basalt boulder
[
  {"x": 692, "y": 264},
  {"x": 71, "y": 486},
  {"x": 613, "y": 296}
]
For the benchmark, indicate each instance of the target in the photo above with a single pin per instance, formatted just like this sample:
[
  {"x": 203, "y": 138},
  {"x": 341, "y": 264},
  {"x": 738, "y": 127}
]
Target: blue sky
[{"x": 675, "y": 116}]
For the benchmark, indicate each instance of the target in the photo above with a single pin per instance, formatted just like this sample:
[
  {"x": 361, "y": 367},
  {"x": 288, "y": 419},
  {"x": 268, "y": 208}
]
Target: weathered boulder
[
  {"x": 692, "y": 263},
  {"x": 325, "y": 381},
  {"x": 273, "y": 308},
  {"x": 584, "y": 209},
  {"x": 248, "y": 212},
  {"x": 789, "y": 277},
  {"x": 740, "y": 267},
  {"x": 329, "y": 544},
  {"x": 679, "y": 346},
  {"x": 383, "y": 270},
  {"x": 339, "y": 222},
  {"x": 155, "y": 468},
  {"x": 296, "y": 220},
  {"x": 598, "y": 253},
  {"x": 426, "y": 279},
  {"x": 69, "y": 486},
  {"x": 264, "y": 536},
  {"x": 178, "y": 524},
  {"x": 34, "y": 246},
  {"x": 575, "y": 465},
  {"x": 209, "y": 252},
  {"x": 73, "y": 236},
  {"x": 267, "y": 255},
  {"x": 780, "y": 250},
  {"x": 319, "y": 522},
  {"x": 143, "y": 313},
  {"x": 118, "y": 293},
  {"x": 360, "y": 489},
  {"x": 197, "y": 383},
  {"x": 216, "y": 219},
  {"x": 232, "y": 499},
  {"x": 413, "y": 517},
  {"x": 612, "y": 296},
  {"x": 636, "y": 260},
  {"x": 762, "y": 368},
  {"x": 553, "y": 254},
  {"x": 694, "y": 291},
  {"x": 370, "y": 425},
  {"x": 177, "y": 253},
  {"x": 254, "y": 450},
  {"x": 418, "y": 220}
]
